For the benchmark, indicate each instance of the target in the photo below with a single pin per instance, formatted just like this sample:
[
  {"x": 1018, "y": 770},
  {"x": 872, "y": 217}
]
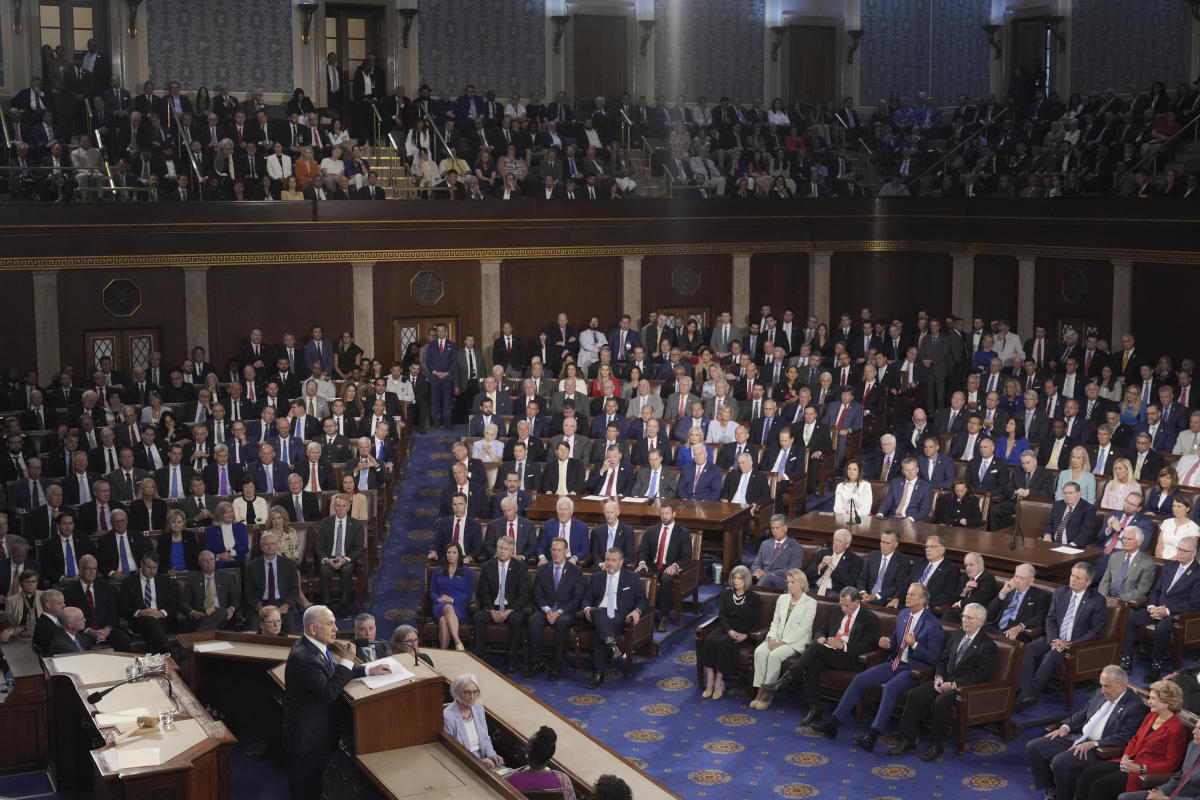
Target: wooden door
[
  {"x": 812, "y": 64},
  {"x": 1034, "y": 50},
  {"x": 128, "y": 348},
  {"x": 352, "y": 32},
  {"x": 601, "y": 58},
  {"x": 406, "y": 330},
  {"x": 1084, "y": 326}
]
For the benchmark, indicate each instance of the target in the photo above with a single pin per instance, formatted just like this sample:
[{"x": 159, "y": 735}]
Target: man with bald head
[
  {"x": 97, "y": 599},
  {"x": 48, "y": 624},
  {"x": 69, "y": 638}
]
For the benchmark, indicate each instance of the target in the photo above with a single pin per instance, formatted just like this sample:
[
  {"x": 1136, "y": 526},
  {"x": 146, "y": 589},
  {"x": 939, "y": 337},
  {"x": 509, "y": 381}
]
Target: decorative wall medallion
[
  {"x": 426, "y": 288},
  {"x": 1074, "y": 287},
  {"x": 121, "y": 297},
  {"x": 685, "y": 280}
]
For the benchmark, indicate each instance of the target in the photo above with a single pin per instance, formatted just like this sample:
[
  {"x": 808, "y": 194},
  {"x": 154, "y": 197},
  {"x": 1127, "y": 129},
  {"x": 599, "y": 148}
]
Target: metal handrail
[
  {"x": 95, "y": 132},
  {"x": 1154, "y": 155},
  {"x": 956, "y": 147},
  {"x": 4, "y": 127},
  {"x": 185, "y": 145}
]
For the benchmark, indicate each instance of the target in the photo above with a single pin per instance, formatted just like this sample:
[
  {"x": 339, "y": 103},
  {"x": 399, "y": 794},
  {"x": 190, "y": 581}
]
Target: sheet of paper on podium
[{"x": 399, "y": 673}]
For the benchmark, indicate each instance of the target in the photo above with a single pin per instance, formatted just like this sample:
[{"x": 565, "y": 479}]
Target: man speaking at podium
[{"x": 318, "y": 668}]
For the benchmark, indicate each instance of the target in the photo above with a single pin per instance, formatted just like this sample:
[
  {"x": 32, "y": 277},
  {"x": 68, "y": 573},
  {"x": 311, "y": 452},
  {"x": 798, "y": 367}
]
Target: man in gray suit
[
  {"x": 644, "y": 397},
  {"x": 1130, "y": 572},
  {"x": 653, "y": 481},
  {"x": 682, "y": 397},
  {"x": 723, "y": 333},
  {"x": 570, "y": 391},
  {"x": 1184, "y": 784},
  {"x": 723, "y": 397},
  {"x": 126, "y": 479},
  {"x": 199, "y": 508},
  {"x": 209, "y": 597},
  {"x": 777, "y": 554},
  {"x": 340, "y": 546},
  {"x": 271, "y": 579},
  {"x": 937, "y": 354},
  {"x": 578, "y": 442}
]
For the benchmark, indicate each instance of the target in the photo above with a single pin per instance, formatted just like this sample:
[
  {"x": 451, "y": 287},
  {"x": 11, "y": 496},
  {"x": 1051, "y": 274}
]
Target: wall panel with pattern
[
  {"x": 248, "y": 45},
  {"x": 497, "y": 44},
  {"x": 1116, "y": 43},
  {"x": 709, "y": 48}
]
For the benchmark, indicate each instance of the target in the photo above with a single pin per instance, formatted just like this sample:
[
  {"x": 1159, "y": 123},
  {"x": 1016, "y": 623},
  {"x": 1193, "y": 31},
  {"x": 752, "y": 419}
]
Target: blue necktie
[
  {"x": 1115, "y": 589},
  {"x": 329, "y": 658},
  {"x": 1011, "y": 611},
  {"x": 557, "y": 575},
  {"x": 925, "y": 575},
  {"x": 611, "y": 597},
  {"x": 1064, "y": 631},
  {"x": 70, "y": 559},
  {"x": 124, "y": 557},
  {"x": 766, "y": 430}
]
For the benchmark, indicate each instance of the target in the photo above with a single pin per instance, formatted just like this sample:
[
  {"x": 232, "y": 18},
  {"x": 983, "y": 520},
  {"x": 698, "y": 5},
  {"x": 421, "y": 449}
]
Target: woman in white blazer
[
  {"x": 790, "y": 633},
  {"x": 853, "y": 493},
  {"x": 466, "y": 721}
]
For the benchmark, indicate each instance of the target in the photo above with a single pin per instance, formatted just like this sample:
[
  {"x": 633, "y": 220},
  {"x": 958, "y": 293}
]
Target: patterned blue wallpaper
[
  {"x": 1116, "y": 43},
  {"x": 248, "y": 45},
  {"x": 496, "y": 44},
  {"x": 709, "y": 48},
  {"x": 913, "y": 46}
]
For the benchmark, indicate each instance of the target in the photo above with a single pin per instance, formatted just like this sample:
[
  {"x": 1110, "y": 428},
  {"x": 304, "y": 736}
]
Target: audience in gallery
[{"x": 470, "y": 145}]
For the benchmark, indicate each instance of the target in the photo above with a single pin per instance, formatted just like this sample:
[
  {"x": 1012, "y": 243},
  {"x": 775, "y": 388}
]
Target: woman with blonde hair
[
  {"x": 1079, "y": 471},
  {"x": 291, "y": 541},
  {"x": 789, "y": 634},
  {"x": 1120, "y": 485}
]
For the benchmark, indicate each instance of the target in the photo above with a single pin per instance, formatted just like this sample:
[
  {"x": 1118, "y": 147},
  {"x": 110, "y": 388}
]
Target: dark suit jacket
[
  {"x": 1031, "y": 614},
  {"x": 757, "y": 490},
  {"x": 994, "y": 480},
  {"x": 62, "y": 643},
  {"x": 44, "y": 631},
  {"x": 518, "y": 589},
  {"x": 353, "y": 544},
  {"x": 844, "y": 574},
  {"x": 130, "y": 599},
  {"x": 623, "y": 540},
  {"x": 942, "y": 584},
  {"x": 1081, "y": 526},
  {"x": 598, "y": 481},
  {"x": 477, "y": 500},
  {"x": 895, "y": 580},
  {"x": 212, "y": 477},
  {"x": 533, "y": 475},
  {"x": 1121, "y": 724},
  {"x": 309, "y": 504},
  {"x": 191, "y": 552},
  {"x": 110, "y": 559},
  {"x": 51, "y": 556},
  {"x": 1150, "y": 469},
  {"x": 1040, "y": 483},
  {"x": 1184, "y": 595},
  {"x": 974, "y": 666},
  {"x": 287, "y": 582},
  {"x": 105, "y": 598},
  {"x": 526, "y": 536},
  {"x": 679, "y": 547},
  {"x": 575, "y": 481},
  {"x": 629, "y": 591},
  {"x": 312, "y": 701},
  {"x": 1089, "y": 615},
  {"x": 472, "y": 537},
  {"x": 568, "y": 597}
]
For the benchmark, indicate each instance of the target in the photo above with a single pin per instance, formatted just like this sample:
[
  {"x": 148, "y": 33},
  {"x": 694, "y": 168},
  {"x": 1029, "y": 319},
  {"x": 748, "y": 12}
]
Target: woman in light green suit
[{"x": 790, "y": 633}]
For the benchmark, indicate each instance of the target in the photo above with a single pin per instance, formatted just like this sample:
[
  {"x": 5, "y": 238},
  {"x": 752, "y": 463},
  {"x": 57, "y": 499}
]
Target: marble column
[
  {"x": 489, "y": 302},
  {"x": 631, "y": 287},
  {"x": 819, "y": 285},
  {"x": 45, "y": 322},
  {"x": 1122, "y": 300},
  {"x": 195, "y": 303},
  {"x": 363, "y": 281},
  {"x": 1026, "y": 275},
  {"x": 741, "y": 289},
  {"x": 962, "y": 293}
]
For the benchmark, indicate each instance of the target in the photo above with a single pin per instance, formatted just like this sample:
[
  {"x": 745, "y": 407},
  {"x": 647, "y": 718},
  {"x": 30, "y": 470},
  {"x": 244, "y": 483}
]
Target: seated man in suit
[
  {"x": 209, "y": 599},
  {"x": 975, "y": 585},
  {"x": 844, "y": 637},
  {"x": 701, "y": 479},
  {"x": 512, "y": 489},
  {"x": 910, "y": 497},
  {"x": 653, "y": 481},
  {"x": 558, "y": 588},
  {"x": 501, "y": 595},
  {"x": 509, "y": 522},
  {"x": 935, "y": 573},
  {"x": 914, "y": 644},
  {"x": 985, "y": 472},
  {"x": 70, "y": 637},
  {"x": 272, "y": 579},
  {"x": 884, "y": 572},
  {"x": 844, "y": 418},
  {"x": 934, "y": 467},
  {"x": 1129, "y": 575},
  {"x": 613, "y": 600},
  {"x": 1076, "y": 614},
  {"x": 1072, "y": 519},
  {"x": 529, "y": 475},
  {"x": 967, "y": 659},
  {"x": 612, "y": 477},
  {"x": 1130, "y": 515},
  {"x": 666, "y": 548},
  {"x": 564, "y": 525},
  {"x": 834, "y": 567},
  {"x": 786, "y": 459},
  {"x": 609, "y": 534},
  {"x": 148, "y": 602},
  {"x": 1109, "y": 719},
  {"x": 746, "y": 485},
  {"x": 1176, "y": 592},
  {"x": 1147, "y": 462},
  {"x": 1031, "y": 480},
  {"x": 60, "y": 555},
  {"x": 474, "y": 491},
  {"x": 776, "y": 555},
  {"x": 98, "y": 601},
  {"x": 1018, "y": 605},
  {"x": 563, "y": 474}
]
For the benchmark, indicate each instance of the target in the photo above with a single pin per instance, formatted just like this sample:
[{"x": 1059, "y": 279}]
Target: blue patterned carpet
[{"x": 704, "y": 748}]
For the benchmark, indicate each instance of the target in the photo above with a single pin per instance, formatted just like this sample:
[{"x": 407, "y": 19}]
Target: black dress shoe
[
  {"x": 1127, "y": 663},
  {"x": 596, "y": 679},
  {"x": 662, "y": 625},
  {"x": 829, "y": 727},
  {"x": 933, "y": 753},
  {"x": 1153, "y": 672},
  {"x": 812, "y": 716},
  {"x": 614, "y": 650},
  {"x": 866, "y": 741},
  {"x": 1023, "y": 702},
  {"x": 902, "y": 747},
  {"x": 553, "y": 673},
  {"x": 535, "y": 668}
]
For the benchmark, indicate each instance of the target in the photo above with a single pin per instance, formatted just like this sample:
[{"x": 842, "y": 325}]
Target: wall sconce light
[
  {"x": 647, "y": 26},
  {"x": 855, "y": 36},
  {"x": 16, "y": 25},
  {"x": 409, "y": 15},
  {"x": 1061, "y": 38},
  {"x": 132, "y": 30},
  {"x": 309, "y": 9},
  {"x": 779, "y": 31},
  {"x": 560, "y": 27},
  {"x": 993, "y": 37}
]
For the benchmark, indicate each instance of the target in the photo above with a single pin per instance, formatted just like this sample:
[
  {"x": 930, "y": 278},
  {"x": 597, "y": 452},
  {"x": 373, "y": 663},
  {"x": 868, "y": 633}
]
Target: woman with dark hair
[
  {"x": 450, "y": 590},
  {"x": 203, "y": 103},
  {"x": 537, "y": 773},
  {"x": 610, "y": 787},
  {"x": 959, "y": 508},
  {"x": 299, "y": 104}
]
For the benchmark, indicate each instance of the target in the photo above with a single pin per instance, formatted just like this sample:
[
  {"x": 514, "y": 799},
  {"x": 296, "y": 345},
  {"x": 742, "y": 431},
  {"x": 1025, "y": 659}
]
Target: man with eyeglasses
[{"x": 1176, "y": 592}]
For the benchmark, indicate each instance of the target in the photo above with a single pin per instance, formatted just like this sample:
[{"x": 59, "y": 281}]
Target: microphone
[
  {"x": 97, "y": 696},
  {"x": 1012, "y": 544},
  {"x": 854, "y": 518},
  {"x": 379, "y": 643}
]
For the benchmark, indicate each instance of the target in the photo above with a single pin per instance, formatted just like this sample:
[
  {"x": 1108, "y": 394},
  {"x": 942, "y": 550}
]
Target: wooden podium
[
  {"x": 400, "y": 744},
  {"x": 188, "y": 760}
]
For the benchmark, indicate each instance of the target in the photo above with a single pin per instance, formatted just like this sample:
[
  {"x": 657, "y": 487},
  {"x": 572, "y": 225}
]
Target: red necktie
[
  {"x": 841, "y": 414},
  {"x": 845, "y": 631},
  {"x": 511, "y": 535},
  {"x": 901, "y": 648},
  {"x": 457, "y": 524},
  {"x": 1112, "y": 542},
  {"x": 662, "y": 546},
  {"x": 90, "y": 599},
  {"x": 103, "y": 519},
  {"x": 1184, "y": 780},
  {"x": 682, "y": 400},
  {"x": 608, "y": 487}
]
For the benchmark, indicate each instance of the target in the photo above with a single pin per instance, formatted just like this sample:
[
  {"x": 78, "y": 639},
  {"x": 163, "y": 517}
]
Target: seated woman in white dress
[
  {"x": 722, "y": 429},
  {"x": 1172, "y": 530},
  {"x": 853, "y": 494}
]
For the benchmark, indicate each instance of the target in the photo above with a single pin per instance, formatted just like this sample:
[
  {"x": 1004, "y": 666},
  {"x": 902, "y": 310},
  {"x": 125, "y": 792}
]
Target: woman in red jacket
[{"x": 1158, "y": 746}]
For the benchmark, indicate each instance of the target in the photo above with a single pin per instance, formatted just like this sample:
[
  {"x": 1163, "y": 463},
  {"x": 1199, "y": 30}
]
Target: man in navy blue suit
[
  {"x": 700, "y": 480},
  {"x": 666, "y": 548},
  {"x": 1177, "y": 591},
  {"x": 611, "y": 533},
  {"x": 612, "y": 601},
  {"x": 622, "y": 339},
  {"x": 914, "y": 644},
  {"x": 910, "y": 498},
  {"x": 441, "y": 360},
  {"x": 558, "y": 587},
  {"x": 933, "y": 466},
  {"x": 1077, "y": 614},
  {"x": 269, "y": 475},
  {"x": 512, "y": 489},
  {"x": 1072, "y": 519},
  {"x": 563, "y": 525},
  {"x": 318, "y": 668},
  {"x": 613, "y": 477}
]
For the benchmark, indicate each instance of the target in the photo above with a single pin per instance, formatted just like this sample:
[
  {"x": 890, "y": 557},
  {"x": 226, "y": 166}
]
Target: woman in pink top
[{"x": 537, "y": 774}]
